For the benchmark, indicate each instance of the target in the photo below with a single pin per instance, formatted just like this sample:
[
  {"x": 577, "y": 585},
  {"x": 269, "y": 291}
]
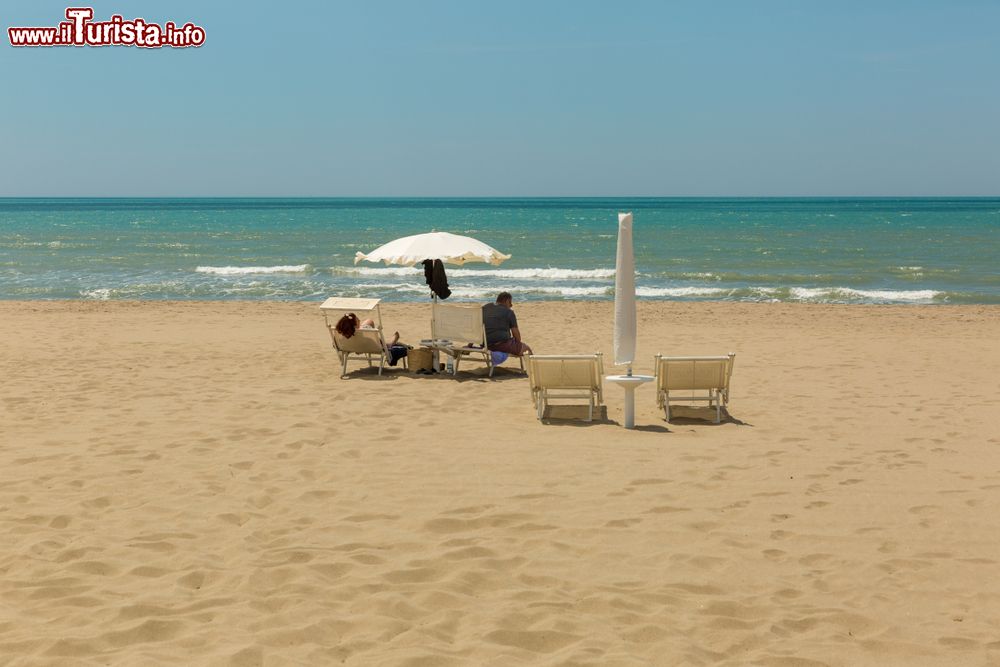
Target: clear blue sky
[{"x": 466, "y": 98}]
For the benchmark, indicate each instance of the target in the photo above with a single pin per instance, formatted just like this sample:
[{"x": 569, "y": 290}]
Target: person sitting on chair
[
  {"x": 502, "y": 334},
  {"x": 348, "y": 324}
]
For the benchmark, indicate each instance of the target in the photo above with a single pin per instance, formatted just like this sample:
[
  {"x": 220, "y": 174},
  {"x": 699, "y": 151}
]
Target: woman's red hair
[{"x": 347, "y": 325}]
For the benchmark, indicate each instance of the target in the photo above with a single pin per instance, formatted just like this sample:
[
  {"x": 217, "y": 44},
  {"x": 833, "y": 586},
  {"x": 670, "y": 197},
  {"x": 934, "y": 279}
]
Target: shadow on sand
[
  {"x": 574, "y": 415},
  {"x": 685, "y": 415},
  {"x": 390, "y": 373}
]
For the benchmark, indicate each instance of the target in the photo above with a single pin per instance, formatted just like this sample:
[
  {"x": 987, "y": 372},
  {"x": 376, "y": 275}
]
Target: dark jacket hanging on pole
[{"x": 436, "y": 278}]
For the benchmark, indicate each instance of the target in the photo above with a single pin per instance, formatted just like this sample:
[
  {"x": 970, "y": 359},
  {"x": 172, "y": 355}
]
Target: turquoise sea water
[{"x": 877, "y": 250}]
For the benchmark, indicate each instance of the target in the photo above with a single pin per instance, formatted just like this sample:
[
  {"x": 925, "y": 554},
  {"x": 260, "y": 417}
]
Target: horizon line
[{"x": 231, "y": 196}]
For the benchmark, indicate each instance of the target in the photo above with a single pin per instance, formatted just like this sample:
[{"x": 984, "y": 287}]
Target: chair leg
[
  {"x": 346, "y": 357},
  {"x": 590, "y": 413},
  {"x": 381, "y": 364},
  {"x": 454, "y": 369},
  {"x": 718, "y": 412},
  {"x": 540, "y": 407}
]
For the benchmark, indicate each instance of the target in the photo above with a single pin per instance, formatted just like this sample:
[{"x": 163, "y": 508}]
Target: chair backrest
[
  {"x": 683, "y": 373},
  {"x": 578, "y": 371},
  {"x": 364, "y": 341},
  {"x": 459, "y": 323}
]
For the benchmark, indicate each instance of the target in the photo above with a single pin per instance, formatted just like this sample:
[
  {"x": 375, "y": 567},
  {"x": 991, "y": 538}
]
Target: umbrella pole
[{"x": 629, "y": 406}]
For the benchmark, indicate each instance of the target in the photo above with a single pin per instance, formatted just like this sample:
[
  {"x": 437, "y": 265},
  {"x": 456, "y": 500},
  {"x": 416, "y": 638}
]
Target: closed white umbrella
[
  {"x": 625, "y": 295},
  {"x": 624, "y": 339},
  {"x": 449, "y": 248}
]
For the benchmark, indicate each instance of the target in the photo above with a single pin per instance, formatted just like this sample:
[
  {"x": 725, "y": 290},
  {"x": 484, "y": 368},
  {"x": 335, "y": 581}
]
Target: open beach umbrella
[
  {"x": 449, "y": 248},
  {"x": 624, "y": 346}
]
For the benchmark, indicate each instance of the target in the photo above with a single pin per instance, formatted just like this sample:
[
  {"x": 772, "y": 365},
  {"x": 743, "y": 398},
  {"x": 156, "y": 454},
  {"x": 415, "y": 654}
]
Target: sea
[{"x": 817, "y": 250}]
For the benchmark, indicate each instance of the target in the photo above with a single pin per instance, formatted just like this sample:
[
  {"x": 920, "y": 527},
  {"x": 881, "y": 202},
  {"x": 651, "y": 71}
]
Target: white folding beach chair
[
  {"x": 365, "y": 344},
  {"x": 694, "y": 374},
  {"x": 462, "y": 325},
  {"x": 566, "y": 377}
]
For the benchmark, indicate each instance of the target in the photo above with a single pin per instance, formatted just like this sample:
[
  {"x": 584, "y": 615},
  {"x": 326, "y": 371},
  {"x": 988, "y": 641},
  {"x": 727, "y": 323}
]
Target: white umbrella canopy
[
  {"x": 449, "y": 248},
  {"x": 624, "y": 341}
]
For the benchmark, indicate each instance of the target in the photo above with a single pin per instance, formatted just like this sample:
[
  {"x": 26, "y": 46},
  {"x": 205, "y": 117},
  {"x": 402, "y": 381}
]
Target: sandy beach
[{"x": 193, "y": 483}]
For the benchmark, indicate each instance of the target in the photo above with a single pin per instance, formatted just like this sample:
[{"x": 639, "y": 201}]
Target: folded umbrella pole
[{"x": 625, "y": 320}]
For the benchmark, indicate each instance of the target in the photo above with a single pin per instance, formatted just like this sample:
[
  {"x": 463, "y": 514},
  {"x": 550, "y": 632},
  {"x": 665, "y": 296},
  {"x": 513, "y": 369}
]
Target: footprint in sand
[
  {"x": 666, "y": 509},
  {"x": 248, "y": 657},
  {"x": 537, "y": 641},
  {"x": 958, "y": 643},
  {"x": 648, "y": 481},
  {"x": 364, "y": 518},
  {"x": 472, "y": 509}
]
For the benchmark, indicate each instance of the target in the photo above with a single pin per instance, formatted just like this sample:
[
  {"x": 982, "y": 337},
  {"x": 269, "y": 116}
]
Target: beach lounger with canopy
[
  {"x": 690, "y": 375},
  {"x": 365, "y": 344},
  {"x": 566, "y": 377},
  {"x": 462, "y": 326}
]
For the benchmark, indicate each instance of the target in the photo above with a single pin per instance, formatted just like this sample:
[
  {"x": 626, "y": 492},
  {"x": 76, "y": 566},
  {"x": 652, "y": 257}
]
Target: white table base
[{"x": 629, "y": 383}]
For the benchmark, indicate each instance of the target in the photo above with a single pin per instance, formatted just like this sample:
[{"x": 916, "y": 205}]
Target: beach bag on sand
[{"x": 421, "y": 358}]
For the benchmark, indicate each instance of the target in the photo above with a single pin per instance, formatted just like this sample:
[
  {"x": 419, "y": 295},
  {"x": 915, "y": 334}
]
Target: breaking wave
[
  {"x": 846, "y": 294},
  {"x": 251, "y": 270},
  {"x": 510, "y": 274}
]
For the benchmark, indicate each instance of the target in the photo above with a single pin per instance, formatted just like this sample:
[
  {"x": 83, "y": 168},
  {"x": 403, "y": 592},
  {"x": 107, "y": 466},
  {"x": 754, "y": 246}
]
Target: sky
[{"x": 512, "y": 98}]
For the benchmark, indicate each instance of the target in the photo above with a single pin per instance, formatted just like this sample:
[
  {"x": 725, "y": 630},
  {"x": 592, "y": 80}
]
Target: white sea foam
[
  {"x": 464, "y": 291},
  {"x": 248, "y": 270},
  {"x": 490, "y": 292},
  {"x": 399, "y": 287},
  {"x": 509, "y": 274},
  {"x": 679, "y": 291},
  {"x": 848, "y": 294},
  {"x": 101, "y": 294},
  {"x": 700, "y": 274},
  {"x": 163, "y": 245}
]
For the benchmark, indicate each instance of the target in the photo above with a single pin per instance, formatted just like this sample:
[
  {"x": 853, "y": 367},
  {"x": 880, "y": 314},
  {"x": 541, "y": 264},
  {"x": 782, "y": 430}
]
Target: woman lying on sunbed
[{"x": 349, "y": 323}]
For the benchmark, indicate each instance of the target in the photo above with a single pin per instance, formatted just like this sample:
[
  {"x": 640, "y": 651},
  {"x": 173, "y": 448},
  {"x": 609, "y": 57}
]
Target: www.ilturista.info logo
[{"x": 80, "y": 30}]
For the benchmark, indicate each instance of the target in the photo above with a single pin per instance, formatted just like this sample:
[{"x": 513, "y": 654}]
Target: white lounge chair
[
  {"x": 365, "y": 343},
  {"x": 462, "y": 325},
  {"x": 694, "y": 374},
  {"x": 566, "y": 376}
]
